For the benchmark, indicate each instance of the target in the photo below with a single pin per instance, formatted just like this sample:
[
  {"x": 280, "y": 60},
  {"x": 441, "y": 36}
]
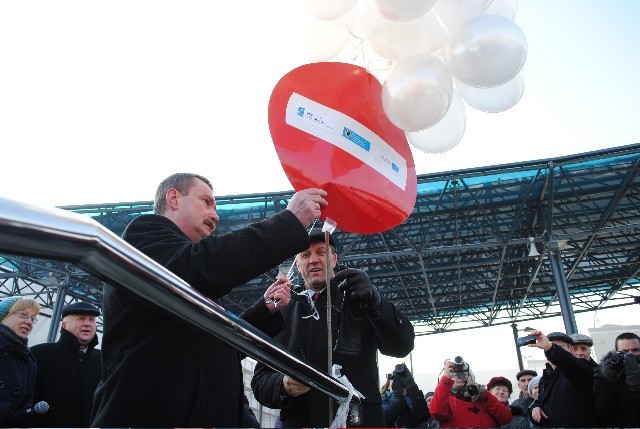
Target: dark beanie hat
[
  {"x": 80, "y": 308},
  {"x": 316, "y": 235}
]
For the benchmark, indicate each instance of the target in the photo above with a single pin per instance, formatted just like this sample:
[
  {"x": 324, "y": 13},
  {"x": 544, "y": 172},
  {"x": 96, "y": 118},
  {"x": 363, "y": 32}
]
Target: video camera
[
  {"x": 459, "y": 365},
  {"x": 399, "y": 370},
  {"x": 616, "y": 359}
]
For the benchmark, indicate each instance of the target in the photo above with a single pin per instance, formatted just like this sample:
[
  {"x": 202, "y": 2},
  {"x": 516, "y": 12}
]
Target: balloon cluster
[{"x": 439, "y": 55}]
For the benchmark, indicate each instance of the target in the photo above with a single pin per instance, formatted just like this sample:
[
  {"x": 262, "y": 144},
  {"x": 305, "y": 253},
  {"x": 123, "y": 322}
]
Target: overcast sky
[{"x": 101, "y": 100}]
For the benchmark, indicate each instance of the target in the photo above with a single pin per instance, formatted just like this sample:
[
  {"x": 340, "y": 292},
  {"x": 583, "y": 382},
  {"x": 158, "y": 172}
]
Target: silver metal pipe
[{"x": 65, "y": 236}]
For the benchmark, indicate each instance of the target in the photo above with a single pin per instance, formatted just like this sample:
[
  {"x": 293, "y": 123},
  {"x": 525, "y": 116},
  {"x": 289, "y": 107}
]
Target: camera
[
  {"x": 617, "y": 358},
  {"x": 459, "y": 365},
  {"x": 523, "y": 341},
  {"x": 400, "y": 369},
  {"x": 398, "y": 373}
]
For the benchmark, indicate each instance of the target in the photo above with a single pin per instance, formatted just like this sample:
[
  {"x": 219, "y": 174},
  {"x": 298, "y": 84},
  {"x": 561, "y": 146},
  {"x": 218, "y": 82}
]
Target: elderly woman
[
  {"x": 534, "y": 386},
  {"x": 17, "y": 364},
  {"x": 502, "y": 389}
]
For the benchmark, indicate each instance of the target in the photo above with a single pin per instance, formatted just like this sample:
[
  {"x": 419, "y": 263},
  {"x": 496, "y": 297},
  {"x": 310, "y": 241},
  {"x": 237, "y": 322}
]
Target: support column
[
  {"x": 56, "y": 313},
  {"x": 562, "y": 288},
  {"x": 514, "y": 327}
]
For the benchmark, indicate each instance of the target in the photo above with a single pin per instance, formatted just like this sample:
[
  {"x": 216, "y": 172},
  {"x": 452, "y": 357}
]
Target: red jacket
[{"x": 452, "y": 412}]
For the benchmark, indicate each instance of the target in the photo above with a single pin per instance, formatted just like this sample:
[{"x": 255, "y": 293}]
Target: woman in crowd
[
  {"x": 460, "y": 402},
  {"x": 534, "y": 387},
  {"x": 502, "y": 389},
  {"x": 17, "y": 364}
]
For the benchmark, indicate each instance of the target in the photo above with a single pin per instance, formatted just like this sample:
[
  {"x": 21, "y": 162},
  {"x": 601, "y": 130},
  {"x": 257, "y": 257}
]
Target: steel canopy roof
[{"x": 462, "y": 259}]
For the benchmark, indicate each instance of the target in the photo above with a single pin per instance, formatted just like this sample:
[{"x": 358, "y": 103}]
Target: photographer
[
  {"x": 566, "y": 389},
  {"x": 404, "y": 405},
  {"x": 617, "y": 389},
  {"x": 460, "y": 402}
]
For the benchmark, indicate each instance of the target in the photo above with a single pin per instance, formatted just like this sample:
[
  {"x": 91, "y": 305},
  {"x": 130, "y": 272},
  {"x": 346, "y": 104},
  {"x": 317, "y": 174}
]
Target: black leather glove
[
  {"x": 632, "y": 370},
  {"x": 610, "y": 370},
  {"x": 407, "y": 379},
  {"x": 397, "y": 387},
  {"x": 359, "y": 289}
]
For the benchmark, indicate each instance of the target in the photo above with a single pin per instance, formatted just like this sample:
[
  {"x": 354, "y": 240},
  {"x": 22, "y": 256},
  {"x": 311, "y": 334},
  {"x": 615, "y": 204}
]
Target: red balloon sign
[{"x": 330, "y": 132}]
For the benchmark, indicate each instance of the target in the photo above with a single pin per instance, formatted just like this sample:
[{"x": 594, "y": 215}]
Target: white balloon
[
  {"x": 452, "y": 13},
  {"x": 402, "y": 10},
  {"x": 323, "y": 40},
  {"x": 417, "y": 92},
  {"x": 444, "y": 135},
  {"x": 329, "y": 9},
  {"x": 506, "y": 8},
  {"x": 486, "y": 51},
  {"x": 394, "y": 39},
  {"x": 496, "y": 99}
]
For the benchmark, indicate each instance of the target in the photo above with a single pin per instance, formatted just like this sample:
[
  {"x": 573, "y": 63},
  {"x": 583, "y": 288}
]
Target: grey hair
[{"x": 181, "y": 182}]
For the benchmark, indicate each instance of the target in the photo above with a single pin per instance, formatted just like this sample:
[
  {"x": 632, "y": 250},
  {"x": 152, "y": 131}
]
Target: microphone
[{"x": 39, "y": 408}]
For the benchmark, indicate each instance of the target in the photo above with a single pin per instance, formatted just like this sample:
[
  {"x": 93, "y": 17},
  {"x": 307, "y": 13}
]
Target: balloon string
[{"x": 329, "y": 332}]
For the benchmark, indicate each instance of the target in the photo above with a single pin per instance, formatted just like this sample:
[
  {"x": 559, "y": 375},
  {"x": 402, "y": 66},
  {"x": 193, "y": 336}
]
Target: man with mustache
[
  {"x": 160, "y": 371},
  {"x": 362, "y": 322}
]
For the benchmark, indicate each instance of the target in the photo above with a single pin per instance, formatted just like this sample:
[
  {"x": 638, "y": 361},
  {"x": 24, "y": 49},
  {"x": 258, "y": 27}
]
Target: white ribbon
[{"x": 340, "y": 421}]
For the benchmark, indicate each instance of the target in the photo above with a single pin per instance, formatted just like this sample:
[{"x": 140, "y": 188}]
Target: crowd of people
[
  {"x": 156, "y": 370},
  {"x": 572, "y": 390}
]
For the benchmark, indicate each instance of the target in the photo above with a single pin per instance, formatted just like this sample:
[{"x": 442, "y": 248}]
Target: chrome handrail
[{"x": 51, "y": 233}]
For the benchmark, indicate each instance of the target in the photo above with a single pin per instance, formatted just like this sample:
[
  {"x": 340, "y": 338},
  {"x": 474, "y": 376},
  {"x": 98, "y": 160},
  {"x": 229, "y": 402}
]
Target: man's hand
[
  {"x": 632, "y": 369},
  {"x": 293, "y": 388},
  {"x": 542, "y": 342},
  {"x": 537, "y": 414},
  {"x": 359, "y": 289},
  {"x": 306, "y": 204},
  {"x": 278, "y": 295}
]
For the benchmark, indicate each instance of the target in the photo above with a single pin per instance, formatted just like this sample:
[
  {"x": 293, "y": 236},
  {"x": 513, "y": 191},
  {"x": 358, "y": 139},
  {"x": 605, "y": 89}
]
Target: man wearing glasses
[
  {"x": 566, "y": 388},
  {"x": 362, "y": 322}
]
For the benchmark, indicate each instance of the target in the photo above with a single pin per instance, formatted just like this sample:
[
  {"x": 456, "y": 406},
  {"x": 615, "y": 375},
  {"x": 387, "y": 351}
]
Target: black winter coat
[
  {"x": 66, "y": 380},
  {"x": 17, "y": 377},
  {"x": 617, "y": 405},
  {"x": 159, "y": 371},
  {"x": 391, "y": 332},
  {"x": 566, "y": 392}
]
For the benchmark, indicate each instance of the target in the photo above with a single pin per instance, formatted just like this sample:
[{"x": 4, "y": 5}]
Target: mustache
[{"x": 211, "y": 224}]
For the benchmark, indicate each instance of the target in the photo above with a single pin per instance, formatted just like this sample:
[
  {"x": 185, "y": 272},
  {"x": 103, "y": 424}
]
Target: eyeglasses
[{"x": 25, "y": 316}]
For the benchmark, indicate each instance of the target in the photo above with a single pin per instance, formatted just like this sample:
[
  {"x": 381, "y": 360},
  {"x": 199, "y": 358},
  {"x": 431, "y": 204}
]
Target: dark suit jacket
[
  {"x": 159, "y": 371},
  {"x": 356, "y": 341}
]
